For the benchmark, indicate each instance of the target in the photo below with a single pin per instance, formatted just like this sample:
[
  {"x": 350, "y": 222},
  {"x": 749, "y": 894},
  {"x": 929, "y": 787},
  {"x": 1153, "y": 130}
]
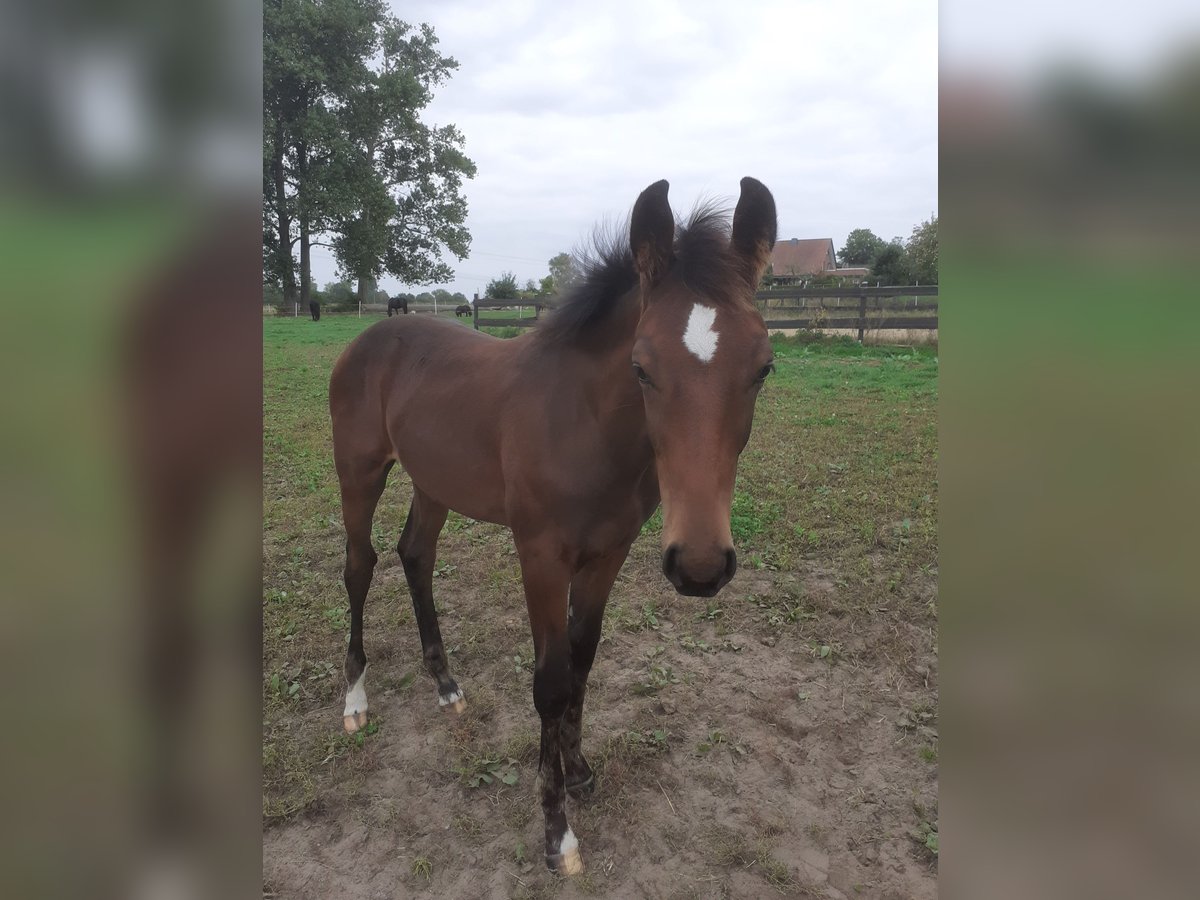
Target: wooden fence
[
  {"x": 516, "y": 322},
  {"x": 854, "y": 308}
]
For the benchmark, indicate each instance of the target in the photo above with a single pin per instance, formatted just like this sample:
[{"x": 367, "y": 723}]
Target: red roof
[{"x": 803, "y": 257}]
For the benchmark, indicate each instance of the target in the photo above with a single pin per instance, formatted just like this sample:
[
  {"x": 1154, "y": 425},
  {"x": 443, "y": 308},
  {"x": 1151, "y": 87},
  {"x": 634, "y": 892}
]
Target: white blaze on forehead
[{"x": 700, "y": 337}]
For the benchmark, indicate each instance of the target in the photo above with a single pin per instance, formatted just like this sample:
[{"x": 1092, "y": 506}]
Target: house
[{"x": 794, "y": 261}]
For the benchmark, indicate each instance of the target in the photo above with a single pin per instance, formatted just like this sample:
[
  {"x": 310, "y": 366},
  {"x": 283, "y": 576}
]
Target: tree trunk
[
  {"x": 305, "y": 261},
  {"x": 305, "y": 237},
  {"x": 284, "y": 220},
  {"x": 365, "y": 283},
  {"x": 365, "y": 280}
]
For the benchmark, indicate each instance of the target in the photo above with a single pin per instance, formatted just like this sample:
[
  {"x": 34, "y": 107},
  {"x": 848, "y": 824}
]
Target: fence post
[
  {"x": 862, "y": 316},
  {"x": 296, "y": 315},
  {"x": 475, "y": 312},
  {"x": 360, "y": 309}
]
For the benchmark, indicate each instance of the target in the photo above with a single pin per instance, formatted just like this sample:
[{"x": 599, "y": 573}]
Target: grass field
[{"x": 781, "y": 737}]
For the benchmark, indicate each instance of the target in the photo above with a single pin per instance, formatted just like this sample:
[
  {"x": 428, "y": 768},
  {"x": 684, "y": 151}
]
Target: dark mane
[
  {"x": 703, "y": 259},
  {"x": 607, "y": 274}
]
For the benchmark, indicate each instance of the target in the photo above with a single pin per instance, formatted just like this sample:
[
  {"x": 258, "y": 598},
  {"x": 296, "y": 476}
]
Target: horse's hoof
[
  {"x": 455, "y": 702},
  {"x": 569, "y": 863},
  {"x": 567, "y": 860},
  {"x": 354, "y": 713},
  {"x": 581, "y": 789}
]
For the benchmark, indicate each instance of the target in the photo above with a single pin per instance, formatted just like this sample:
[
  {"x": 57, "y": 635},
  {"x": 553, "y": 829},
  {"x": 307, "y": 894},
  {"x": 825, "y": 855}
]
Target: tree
[
  {"x": 312, "y": 53},
  {"x": 272, "y": 294},
  {"x": 861, "y": 248},
  {"x": 407, "y": 175},
  {"x": 891, "y": 265},
  {"x": 922, "y": 250},
  {"x": 563, "y": 273},
  {"x": 338, "y": 292},
  {"x": 503, "y": 288},
  {"x": 347, "y": 162}
]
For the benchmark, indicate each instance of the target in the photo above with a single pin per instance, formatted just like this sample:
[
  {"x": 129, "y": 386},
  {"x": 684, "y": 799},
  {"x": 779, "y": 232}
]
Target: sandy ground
[{"x": 733, "y": 759}]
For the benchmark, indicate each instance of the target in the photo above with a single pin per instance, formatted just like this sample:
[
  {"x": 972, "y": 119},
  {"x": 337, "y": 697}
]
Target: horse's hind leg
[
  {"x": 361, "y": 489},
  {"x": 418, "y": 552}
]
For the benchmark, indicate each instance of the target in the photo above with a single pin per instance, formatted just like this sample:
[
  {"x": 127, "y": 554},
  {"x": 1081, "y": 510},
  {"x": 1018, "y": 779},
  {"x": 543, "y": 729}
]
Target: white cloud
[{"x": 570, "y": 109}]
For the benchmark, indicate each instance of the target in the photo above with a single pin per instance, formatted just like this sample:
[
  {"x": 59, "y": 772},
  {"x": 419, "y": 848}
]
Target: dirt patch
[{"x": 733, "y": 759}]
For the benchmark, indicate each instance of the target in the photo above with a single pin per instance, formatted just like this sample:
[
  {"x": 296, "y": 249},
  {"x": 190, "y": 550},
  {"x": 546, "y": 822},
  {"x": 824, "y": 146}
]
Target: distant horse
[
  {"x": 314, "y": 309},
  {"x": 400, "y": 303},
  {"x": 463, "y": 309},
  {"x": 641, "y": 387}
]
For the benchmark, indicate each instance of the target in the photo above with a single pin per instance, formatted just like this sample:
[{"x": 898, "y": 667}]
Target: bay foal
[{"x": 640, "y": 388}]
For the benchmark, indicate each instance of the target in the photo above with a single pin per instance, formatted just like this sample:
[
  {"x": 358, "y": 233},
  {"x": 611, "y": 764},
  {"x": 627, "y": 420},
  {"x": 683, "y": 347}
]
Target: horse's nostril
[
  {"x": 730, "y": 564},
  {"x": 670, "y": 564}
]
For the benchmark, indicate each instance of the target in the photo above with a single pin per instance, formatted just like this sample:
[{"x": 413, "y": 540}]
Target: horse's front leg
[
  {"x": 547, "y": 579},
  {"x": 590, "y": 587}
]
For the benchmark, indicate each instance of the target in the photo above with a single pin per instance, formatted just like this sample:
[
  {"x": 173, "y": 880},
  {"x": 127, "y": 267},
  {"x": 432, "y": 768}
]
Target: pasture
[{"x": 779, "y": 738}]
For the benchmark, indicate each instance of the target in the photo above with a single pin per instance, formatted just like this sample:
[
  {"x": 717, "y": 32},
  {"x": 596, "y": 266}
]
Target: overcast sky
[{"x": 570, "y": 109}]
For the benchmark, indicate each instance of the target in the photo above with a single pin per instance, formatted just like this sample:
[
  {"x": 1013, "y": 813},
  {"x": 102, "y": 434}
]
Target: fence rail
[
  {"x": 493, "y": 303},
  {"x": 869, "y": 308},
  {"x": 914, "y": 290},
  {"x": 872, "y": 304}
]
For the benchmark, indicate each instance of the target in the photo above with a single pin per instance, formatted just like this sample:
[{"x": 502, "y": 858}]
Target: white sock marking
[
  {"x": 453, "y": 698},
  {"x": 700, "y": 336},
  {"x": 356, "y": 697},
  {"x": 568, "y": 842}
]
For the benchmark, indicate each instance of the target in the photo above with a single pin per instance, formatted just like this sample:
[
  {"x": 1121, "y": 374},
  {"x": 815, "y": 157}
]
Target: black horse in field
[
  {"x": 463, "y": 309},
  {"x": 315, "y": 309},
  {"x": 398, "y": 303}
]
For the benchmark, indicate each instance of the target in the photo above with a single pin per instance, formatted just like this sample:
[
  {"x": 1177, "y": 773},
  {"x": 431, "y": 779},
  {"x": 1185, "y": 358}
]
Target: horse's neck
[{"x": 606, "y": 368}]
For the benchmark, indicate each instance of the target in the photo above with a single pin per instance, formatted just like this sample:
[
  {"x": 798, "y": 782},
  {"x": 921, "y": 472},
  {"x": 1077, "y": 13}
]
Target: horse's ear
[
  {"x": 652, "y": 234},
  {"x": 754, "y": 225}
]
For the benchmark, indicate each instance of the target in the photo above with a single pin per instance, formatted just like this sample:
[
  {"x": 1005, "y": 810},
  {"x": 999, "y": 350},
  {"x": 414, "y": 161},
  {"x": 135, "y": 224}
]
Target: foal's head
[{"x": 701, "y": 354}]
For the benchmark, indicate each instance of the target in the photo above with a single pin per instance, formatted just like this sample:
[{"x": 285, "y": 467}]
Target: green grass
[{"x": 837, "y": 488}]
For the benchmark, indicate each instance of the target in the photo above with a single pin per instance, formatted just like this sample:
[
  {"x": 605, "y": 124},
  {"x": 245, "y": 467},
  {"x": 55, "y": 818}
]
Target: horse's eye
[
  {"x": 641, "y": 374},
  {"x": 765, "y": 371}
]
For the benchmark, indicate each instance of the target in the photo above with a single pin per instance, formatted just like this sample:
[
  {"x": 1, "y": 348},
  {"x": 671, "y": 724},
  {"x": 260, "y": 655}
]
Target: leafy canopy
[
  {"x": 861, "y": 248},
  {"x": 504, "y": 287}
]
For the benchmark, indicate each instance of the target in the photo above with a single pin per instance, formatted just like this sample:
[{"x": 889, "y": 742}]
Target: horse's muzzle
[{"x": 694, "y": 577}]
